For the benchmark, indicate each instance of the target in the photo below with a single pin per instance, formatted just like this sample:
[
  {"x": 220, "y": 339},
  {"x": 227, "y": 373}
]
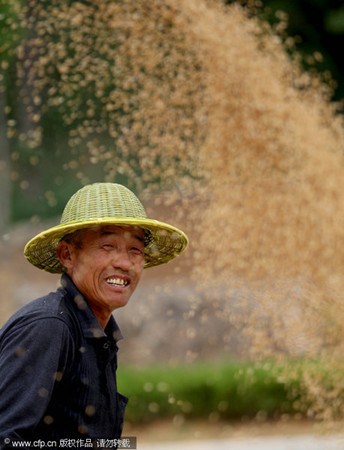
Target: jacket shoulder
[{"x": 51, "y": 306}]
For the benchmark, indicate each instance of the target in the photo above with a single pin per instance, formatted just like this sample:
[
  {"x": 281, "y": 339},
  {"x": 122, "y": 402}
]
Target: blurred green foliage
[
  {"x": 10, "y": 32},
  {"x": 318, "y": 29},
  {"x": 220, "y": 391}
]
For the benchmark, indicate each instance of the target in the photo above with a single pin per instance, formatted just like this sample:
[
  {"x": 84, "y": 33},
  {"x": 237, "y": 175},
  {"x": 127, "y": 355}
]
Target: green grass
[{"x": 228, "y": 390}]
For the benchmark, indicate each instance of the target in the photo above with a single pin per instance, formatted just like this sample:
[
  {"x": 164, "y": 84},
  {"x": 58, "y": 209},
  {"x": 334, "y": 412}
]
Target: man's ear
[{"x": 65, "y": 254}]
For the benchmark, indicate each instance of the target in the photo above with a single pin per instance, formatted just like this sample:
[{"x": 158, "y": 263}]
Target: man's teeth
[{"x": 117, "y": 281}]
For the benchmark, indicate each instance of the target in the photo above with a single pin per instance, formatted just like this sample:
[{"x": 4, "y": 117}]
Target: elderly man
[{"x": 58, "y": 354}]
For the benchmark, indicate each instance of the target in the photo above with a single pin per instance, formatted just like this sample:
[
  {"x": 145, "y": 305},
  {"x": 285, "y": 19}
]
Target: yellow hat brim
[{"x": 166, "y": 241}]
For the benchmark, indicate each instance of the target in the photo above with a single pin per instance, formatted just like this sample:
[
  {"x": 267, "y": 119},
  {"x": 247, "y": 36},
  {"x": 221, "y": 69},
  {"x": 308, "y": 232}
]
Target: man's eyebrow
[{"x": 139, "y": 237}]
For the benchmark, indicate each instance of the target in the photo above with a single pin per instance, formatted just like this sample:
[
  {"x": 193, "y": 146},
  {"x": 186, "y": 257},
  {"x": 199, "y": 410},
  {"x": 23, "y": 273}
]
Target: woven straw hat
[{"x": 101, "y": 204}]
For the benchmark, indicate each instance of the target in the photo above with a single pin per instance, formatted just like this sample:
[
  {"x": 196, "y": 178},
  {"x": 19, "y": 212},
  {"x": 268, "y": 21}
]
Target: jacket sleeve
[{"x": 34, "y": 355}]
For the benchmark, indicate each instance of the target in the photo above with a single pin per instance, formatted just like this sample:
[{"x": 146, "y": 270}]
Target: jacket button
[{"x": 106, "y": 345}]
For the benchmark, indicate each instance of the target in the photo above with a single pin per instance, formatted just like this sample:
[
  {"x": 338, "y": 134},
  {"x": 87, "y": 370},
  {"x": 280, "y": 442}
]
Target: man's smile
[{"x": 116, "y": 281}]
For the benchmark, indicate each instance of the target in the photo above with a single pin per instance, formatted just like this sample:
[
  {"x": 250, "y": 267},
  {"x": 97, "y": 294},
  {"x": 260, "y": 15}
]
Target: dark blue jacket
[{"x": 58, "y": 372}]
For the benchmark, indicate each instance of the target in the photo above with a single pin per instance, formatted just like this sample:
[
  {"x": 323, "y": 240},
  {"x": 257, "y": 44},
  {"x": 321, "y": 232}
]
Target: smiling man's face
[{"x": 106, "y": 266}]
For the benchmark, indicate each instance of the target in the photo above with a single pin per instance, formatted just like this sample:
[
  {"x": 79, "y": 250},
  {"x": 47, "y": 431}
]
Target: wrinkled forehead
[
  {"x": 80, "y": 237},
  {"x": 128, "y": 230}
]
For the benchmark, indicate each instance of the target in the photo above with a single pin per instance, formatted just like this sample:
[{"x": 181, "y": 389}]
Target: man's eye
[
  {"x": 137, "y": 251},
  {"x": 107, "y": 246}
]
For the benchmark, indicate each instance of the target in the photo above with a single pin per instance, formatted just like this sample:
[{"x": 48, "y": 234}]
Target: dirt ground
[{"x": 176, "y": 430}]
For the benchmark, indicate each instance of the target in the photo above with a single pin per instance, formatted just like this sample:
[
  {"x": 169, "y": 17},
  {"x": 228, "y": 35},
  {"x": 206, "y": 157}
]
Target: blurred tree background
[
  {"x": 77, "y": 90},
  {"x": 317, "y": 30},
  {"x": 69, "y": 97}
]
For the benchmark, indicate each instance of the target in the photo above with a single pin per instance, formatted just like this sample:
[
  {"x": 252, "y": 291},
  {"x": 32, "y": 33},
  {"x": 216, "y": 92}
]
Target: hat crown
[{"x": 100, "y": 201}]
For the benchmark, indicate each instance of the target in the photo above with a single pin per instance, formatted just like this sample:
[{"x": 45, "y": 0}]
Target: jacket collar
[{"x": 90, "y": 326}]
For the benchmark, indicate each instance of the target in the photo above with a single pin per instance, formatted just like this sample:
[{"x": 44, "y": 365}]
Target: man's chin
[{"x": 118, "y": 301}]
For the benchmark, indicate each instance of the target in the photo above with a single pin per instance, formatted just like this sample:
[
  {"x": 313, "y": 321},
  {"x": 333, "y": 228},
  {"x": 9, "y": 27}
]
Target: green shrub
[{"x": 225, "y": 391}]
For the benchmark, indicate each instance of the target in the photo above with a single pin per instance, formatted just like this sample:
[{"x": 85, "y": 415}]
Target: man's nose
[{"x": 121, "y": 259}]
